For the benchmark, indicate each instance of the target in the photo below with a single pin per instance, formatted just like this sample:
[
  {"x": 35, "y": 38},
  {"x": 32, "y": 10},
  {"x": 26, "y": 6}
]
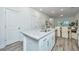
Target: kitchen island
[{"x": 38, "y": 41}]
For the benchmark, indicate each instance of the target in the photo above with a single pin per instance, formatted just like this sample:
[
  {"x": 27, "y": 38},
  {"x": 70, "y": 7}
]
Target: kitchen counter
[{"x": 36, "y": 34}]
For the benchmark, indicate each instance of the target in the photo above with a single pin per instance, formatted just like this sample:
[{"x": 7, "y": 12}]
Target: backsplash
[{"x": 65, "y": 21}]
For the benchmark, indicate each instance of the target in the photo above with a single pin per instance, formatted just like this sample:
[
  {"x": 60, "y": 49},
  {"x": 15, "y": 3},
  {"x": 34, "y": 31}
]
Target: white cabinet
[
  {"x": 65, "y": 32},
  {"x": 45, "y": 43},
  {"x": 78, "y": 38}
]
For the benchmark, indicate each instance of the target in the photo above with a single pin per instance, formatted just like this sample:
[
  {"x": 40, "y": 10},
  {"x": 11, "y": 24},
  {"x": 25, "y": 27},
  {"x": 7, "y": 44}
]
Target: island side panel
[{"x": 30, "y": 44}]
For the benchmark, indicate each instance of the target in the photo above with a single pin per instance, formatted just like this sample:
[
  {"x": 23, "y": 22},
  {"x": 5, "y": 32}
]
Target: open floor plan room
[{"x": 39, "y": 28}]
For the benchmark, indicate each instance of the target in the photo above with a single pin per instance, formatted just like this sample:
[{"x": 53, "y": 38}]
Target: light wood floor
[
  {"x": 62, "y": 44},
  {"x": 17, "y": 46}
]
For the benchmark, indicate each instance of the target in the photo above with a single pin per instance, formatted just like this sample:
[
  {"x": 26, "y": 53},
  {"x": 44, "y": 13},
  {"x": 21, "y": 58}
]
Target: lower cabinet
[
  {"x": 44, "y": 44},
  {"x": 78, "y": 39}
]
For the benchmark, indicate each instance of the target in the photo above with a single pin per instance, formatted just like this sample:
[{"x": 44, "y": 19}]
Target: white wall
[{"x": 32, "y": 19}]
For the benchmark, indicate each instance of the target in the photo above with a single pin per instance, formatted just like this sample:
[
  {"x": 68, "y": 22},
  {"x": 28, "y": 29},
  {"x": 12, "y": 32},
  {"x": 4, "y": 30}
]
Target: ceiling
[{"x": 58, "y": 11}]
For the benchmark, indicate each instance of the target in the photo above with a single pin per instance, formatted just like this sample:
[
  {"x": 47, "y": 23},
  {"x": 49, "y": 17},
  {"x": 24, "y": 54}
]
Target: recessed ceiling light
[
  {"x": 61, "y": 9},
  {"x": 50, "y": 19},
  {"x": 61, "y": 15},
  {"x": 41, "y": 9}
]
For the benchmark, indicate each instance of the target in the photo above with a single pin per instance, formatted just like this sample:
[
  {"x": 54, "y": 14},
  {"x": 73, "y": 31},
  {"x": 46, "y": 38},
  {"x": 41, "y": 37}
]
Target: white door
[
  {"x": 2, "y": 28},
  {"x": 12, "y": 24}
]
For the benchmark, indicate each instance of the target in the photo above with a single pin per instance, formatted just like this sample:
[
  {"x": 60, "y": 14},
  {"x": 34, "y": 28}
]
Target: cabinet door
[
  {"x": 65, "y": 32},
  {"x": 50, "y": 38},
  {"x": 44, "y": 44},
  {"x": 78, "y": 39},
  {"x": 47, "y": 43}
]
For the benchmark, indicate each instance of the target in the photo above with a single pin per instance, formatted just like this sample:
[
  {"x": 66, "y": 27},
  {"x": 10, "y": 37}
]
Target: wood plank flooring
[
  {"x": 62, "y": 44},
  {"x": 17, "y": 46}
]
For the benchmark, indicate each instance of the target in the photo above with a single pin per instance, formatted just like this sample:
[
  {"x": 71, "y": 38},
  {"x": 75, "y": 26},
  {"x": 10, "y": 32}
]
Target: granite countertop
[{"x": 35, "y": 34}]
